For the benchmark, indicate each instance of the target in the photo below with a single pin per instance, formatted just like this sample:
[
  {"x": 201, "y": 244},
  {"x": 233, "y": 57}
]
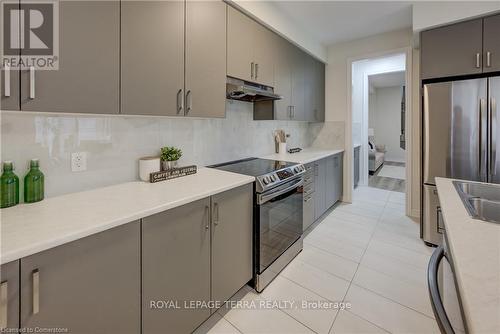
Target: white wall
[
  {"x": 115, "y": 143},
  {"x": 266, "y": 13},
  {"x": 428, "y": 14},
  {"x": 385, "y": 119}
]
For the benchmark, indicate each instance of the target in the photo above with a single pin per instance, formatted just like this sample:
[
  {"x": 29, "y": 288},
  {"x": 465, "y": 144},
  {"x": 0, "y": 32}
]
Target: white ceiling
[
  {"x": 336, "y": 21},
  {"x": 391, "y": 79}
]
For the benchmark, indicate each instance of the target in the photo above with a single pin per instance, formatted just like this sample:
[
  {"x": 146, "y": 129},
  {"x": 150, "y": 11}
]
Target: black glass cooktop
[{"x": 253, "y": 166}]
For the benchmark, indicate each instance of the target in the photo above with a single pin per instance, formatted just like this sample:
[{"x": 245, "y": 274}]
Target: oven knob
[
  {"x": 273, "y": 178},
  {"x": 266, "y": 180},
  {"x": 297, "y": 169}
]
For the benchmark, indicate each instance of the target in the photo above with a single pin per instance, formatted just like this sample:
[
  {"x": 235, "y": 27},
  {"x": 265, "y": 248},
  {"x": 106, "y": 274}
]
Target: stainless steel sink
[{"x": 482, "y": 201}]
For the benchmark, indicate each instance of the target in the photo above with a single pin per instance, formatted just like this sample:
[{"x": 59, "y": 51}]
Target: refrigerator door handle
[
  {"x": 482, "y": 151},
  {"x": 493, "y": 135}
]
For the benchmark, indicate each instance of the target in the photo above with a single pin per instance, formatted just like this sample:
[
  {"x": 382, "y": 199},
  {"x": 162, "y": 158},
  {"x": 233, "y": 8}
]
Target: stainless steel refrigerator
[{"x": 459, "y": 141}]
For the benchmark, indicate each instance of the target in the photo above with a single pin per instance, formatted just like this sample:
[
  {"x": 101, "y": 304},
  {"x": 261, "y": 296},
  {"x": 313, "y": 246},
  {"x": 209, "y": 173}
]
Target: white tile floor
[{"x": 367, "y": 254}]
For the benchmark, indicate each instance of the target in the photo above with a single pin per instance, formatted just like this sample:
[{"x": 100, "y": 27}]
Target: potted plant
[{"x": 169, "y": 157}]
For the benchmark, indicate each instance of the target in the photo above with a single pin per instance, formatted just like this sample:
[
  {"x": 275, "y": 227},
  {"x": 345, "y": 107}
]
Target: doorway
[{"x": 378, "y": 105}]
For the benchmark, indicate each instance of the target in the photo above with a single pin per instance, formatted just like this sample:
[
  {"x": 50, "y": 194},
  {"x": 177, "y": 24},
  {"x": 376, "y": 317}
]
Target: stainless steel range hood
[{"x": 237, "y": 89}]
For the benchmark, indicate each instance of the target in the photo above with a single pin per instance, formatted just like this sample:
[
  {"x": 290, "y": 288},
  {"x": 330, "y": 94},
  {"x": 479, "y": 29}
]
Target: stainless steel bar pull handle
[
  {"x": 478, "y": 60},
  {"x": 216, "y": 213},
  {"x": 252, "y": 65},
  {"x": 36, "y": 291},
  {"x": 4, "y": 293},
  {"x": 207, "y": 212},
  {"x": 488, "y": 59},
  {"x": 32, "y": 82},
  {"x": 6, "y": 77},
  {"x": 189, "y": 102},
  {"x": 256, "y": 70},
  {"x": 180, "y": 101}
]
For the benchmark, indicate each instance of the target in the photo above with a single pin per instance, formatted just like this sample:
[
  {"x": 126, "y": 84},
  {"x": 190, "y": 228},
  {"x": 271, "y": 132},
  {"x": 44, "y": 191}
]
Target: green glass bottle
[
  {"x": 34, "y": 183},
  {"x": 9, "y": 184}
]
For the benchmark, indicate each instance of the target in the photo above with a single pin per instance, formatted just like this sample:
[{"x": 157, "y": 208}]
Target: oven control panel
[{"x": 271, "y": 180}]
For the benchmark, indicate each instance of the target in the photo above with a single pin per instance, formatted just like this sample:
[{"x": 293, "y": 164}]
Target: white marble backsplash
[
  {"x": 327, "y": 135},
  {"x": 115, "y": 143}
]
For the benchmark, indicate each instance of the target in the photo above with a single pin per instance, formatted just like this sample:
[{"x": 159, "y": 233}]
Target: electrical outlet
[{"x": 78, "y": 161}]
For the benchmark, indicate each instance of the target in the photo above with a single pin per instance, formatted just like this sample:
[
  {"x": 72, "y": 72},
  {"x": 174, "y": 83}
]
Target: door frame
[{"x": 409, "y": 135}]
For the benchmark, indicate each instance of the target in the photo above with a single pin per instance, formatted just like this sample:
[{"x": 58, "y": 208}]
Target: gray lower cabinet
[
  {"x": 176, "y": 267},
  {"x": 91, "y": 285},
  {"x": 9, "y": 295},
  {"x": 320, "y": 188},
  {"x": 338, "y": 176},
  {"x": 328, "y": 178},
  {"x": 491, "y": 46},
  {"x": 356, "y": 166},
  {"x": 452, "y": 50},
  {"x": 231, "y": 241},
  {"x": 152, "y": 57},
  {"x": 205, "y": 54},
  {"x": 201, "y": 251},
  {"x": 87, "y": 80}
]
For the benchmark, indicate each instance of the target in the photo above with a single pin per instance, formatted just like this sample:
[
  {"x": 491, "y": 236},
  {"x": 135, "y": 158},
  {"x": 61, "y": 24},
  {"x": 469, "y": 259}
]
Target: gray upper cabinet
[
  {"x": 205, "y": 59},
  {"x": 491, "y": 55},
  {"x": 176, "y": 267},
  {"x": 283, "y": 78},
  {"x": 231, "y": 241},
  {"x": 318, "y": 110},
  {"x": 152, "y": 57},
  {"x": 91, "y": 285},
  {"x": 249, "y": 49},
  {"x": 452, "y": 50},
  {"x": 87, "y": 80},
  {"x": 263, "y": 55},
  {"x": 9, "y": 295},
  {"x": 240, "y": 63},
  {"x": 299, "y": 86}
]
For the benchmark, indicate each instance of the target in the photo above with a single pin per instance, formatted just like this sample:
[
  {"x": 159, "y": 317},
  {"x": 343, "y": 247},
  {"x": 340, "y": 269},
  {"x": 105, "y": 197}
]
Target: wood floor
[{"x": 387, "y": 183}]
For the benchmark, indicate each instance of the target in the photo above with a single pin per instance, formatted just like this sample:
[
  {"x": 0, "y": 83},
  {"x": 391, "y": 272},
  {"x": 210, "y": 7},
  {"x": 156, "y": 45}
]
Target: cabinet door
[
  {"x": 91, "y": 285},
  {"x": 283, "y": 78},
  {"x": 491, "y": 46},
  {"x": 320, "y": 188},
  {"x": 298, "y": 85},
  {"x": 310, "y": 84},
  {"x": 206, "y": 58},
  {"x": 331, "y": 190},
  {"x": 87, "y": 80},
  {"x": 338, "y": 165},
  {"x": 176, "y": 267},
  {"x": 319, "y": 90},
  {"x": 232, "y": 237},
  {"x": 9, "y": 77},
  {"x": 152, "y": 57},
  {"x": 240, "y": 45},
  {"x": 263, "y": 55},
  {"x": 9, "y": 295},
  {"x": 452, "y": 50}
]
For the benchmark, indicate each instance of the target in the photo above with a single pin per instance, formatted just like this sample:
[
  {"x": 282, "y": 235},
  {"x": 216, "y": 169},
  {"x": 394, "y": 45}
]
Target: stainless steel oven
[
  {"x": 278, "y": 214},
  {"x": 279, "y": 217}
]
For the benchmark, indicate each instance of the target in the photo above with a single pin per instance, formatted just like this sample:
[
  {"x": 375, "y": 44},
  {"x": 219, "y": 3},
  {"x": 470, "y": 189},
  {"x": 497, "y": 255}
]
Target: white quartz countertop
[
  {"x": 305, "y": 156},
  {"x": 475, "y": 250},
  {"x": 30, "y": 228}
]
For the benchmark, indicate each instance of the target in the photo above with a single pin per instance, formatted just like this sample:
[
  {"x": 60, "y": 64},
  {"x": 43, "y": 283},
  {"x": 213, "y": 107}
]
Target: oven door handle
[{"x": 263, "y": 198}]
